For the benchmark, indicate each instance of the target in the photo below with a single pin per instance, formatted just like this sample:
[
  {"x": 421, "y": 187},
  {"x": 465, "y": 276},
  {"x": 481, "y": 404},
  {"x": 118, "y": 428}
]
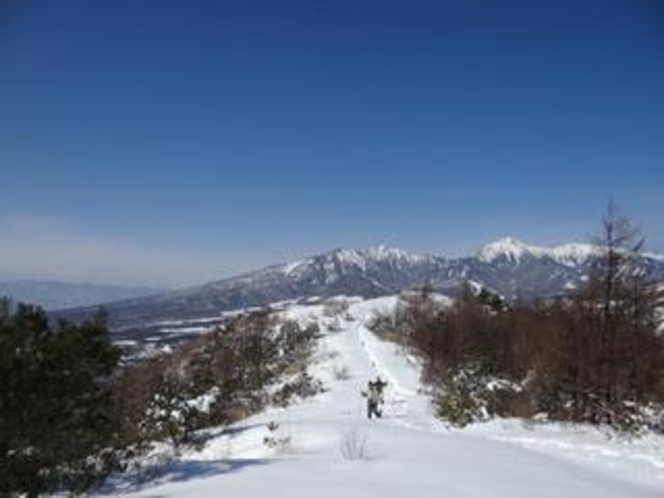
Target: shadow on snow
[{"x": 180, "y": 471}]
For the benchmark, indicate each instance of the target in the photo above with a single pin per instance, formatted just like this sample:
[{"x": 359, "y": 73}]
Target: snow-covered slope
[{"x": 329, "y": 448}]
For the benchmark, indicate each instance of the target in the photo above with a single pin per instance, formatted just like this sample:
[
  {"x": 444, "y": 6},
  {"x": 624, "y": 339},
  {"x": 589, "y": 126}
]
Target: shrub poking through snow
[
  {"x": 342, "y": 373},
  {"x": 281, "y": 443},
  {"x": 172, "y": 414},
  {"x": 302, "y": 386},
  {"x": 462, "y": 399},
  {"x": 335, "y": 307},
  {"x": 353, "y": 446}
]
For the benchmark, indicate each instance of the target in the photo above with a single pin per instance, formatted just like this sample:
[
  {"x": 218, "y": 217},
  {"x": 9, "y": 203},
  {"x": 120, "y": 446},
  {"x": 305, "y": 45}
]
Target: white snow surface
[{"x": 408, "y": 452}]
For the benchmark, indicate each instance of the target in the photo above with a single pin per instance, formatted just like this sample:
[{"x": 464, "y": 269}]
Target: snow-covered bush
[
  {"x": 172, "y": 415},
  {"x": 385, "y": 327},
  {"x": 342, "y": 373},
  {"x": 462, "y": 399},
  {"x": 279, "y": 439},
  {"x": 302, "y": 386},
  {"x": 335, "y": 306},
  {"x": 469, "y": 395}
]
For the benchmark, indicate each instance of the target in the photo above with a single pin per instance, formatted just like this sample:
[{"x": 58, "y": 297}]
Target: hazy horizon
[{"x": 107, "y": 275}]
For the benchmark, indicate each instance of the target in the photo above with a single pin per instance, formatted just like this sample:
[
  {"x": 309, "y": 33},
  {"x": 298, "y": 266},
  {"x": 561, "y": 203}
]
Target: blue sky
[{"x": 173, "y": 142}]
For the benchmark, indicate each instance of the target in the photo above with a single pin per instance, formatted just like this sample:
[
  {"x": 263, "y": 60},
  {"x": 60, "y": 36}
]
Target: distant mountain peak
[
  {"x": 376, "y": 253},
  {"x": 385, "y": 252},
  {"x": 509, "y": 248},
  {"x": 514, "y": 250},
  {"x": 354, "y": 258}
]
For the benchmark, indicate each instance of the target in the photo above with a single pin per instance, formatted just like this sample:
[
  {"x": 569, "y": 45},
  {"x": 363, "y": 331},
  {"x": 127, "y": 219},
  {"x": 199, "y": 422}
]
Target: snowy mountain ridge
[
  {"x": 508, "y": 267},
  {"x": 360, "y": 257},
  {"x": 514, "y": 250}
]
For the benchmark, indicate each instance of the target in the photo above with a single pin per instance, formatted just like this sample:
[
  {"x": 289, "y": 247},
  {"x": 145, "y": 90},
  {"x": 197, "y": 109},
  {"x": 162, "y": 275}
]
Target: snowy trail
[{"x": 408, "y": 452}]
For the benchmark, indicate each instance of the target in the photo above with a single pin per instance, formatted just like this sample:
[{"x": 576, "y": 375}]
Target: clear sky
[{"x": 172, "y": 142}]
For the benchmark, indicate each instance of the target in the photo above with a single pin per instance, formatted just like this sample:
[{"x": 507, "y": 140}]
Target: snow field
[{"x": 406, "y": 453}]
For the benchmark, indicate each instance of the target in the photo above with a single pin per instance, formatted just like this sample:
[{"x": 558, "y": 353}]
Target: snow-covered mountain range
[{"x": 507, "y": 266}]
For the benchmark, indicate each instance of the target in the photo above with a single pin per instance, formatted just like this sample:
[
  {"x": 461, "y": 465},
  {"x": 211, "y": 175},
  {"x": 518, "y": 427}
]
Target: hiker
[
  {"x": 379, "y": 386},
  {"x": 372, "y": 400},
  {"x": 374, "y": 395}
]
